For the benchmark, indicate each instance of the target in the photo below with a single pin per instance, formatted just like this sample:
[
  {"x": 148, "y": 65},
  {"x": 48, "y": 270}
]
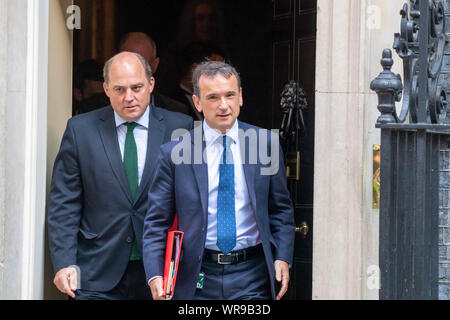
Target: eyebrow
[
  {"x": 139, "y": 84},
  {"x": 217, "y": 94}
]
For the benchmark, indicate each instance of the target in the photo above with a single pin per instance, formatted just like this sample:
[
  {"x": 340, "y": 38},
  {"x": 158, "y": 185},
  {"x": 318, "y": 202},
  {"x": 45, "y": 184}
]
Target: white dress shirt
[
  {"x": 140, "y": 136},
  {"x": 247, "y": 234}
]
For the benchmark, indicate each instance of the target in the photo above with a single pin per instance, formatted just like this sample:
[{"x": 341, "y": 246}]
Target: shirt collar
[
  {"x": 143, "y": 120},
  {"x": 211, "y": 135}
]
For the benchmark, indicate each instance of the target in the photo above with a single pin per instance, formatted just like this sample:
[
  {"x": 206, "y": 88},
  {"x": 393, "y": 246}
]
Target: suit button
[
  {"x": 129, "y": 239},
  {"x": 199, "y": 258},
  {"x": 133, "y": 212}
]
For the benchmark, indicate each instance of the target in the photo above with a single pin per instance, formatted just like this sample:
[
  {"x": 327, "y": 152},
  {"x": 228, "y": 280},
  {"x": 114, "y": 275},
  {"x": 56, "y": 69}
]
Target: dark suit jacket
[
  {"x": 91, "y": 214},
  {"x": 97, "y": 101},
  {"x": 170, "y": 104},
  {"x": 181, "y": 95},
  {"x": 183, "y": 188}
]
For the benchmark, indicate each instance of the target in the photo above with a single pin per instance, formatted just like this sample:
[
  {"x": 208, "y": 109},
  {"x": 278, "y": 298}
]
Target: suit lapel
[
  {"x": 156, "y": 133},
  {"x": 200, "y": 171},
  {"x": 250, "y": 173},
  {"x": 108, "y": 134},
  {"x": 201, "y": 175},
  {"x": 249, "y": 170}
]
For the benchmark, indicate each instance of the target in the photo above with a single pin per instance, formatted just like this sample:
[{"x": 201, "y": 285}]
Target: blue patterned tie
[{"x": 226, "y": 221}]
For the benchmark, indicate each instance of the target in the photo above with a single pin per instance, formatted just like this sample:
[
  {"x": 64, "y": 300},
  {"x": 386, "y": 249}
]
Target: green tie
[{"x": 130, "y": 162}]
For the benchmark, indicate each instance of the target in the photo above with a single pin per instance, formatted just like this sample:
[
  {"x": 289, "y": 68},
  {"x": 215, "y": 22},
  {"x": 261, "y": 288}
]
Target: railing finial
[{"x": 388, "y": 87}]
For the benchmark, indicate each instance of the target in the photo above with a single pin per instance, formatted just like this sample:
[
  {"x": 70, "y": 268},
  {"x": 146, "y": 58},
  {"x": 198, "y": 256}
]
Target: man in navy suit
[
  {"x": 232, "y": 204},
  {"x": 100, "y": 182}
]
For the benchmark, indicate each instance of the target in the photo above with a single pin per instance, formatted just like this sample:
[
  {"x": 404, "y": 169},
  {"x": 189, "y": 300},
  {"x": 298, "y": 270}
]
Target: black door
[{"x": 293, "y": 58}]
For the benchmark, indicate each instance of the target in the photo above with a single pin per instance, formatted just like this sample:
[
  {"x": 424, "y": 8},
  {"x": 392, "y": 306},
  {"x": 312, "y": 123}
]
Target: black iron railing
[{"x": 410, "y": 151}]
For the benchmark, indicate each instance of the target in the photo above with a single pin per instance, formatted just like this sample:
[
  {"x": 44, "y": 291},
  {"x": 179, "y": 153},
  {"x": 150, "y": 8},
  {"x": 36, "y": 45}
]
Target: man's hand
[
  {"x": 156, "y": 287},
  {"x": 66, "y": 281},
  {"x": 282, "y": 275}
]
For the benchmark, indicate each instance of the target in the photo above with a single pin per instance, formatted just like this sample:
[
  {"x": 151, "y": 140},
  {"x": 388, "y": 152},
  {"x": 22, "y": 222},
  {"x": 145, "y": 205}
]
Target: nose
[
  {"x": 223, "y": 103},
  {"x": 129, "y": 95}
]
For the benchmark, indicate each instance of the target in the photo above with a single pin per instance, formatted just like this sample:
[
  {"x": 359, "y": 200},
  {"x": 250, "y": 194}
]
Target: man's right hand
[
  {"x": 156, "y": 287},
  {"x": 66, "y": 281}
]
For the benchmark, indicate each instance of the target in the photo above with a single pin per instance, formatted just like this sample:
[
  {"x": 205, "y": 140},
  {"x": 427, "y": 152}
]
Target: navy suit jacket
[
  {"x": 182, "y": 188},
  {"x": 92, "y": 218}
]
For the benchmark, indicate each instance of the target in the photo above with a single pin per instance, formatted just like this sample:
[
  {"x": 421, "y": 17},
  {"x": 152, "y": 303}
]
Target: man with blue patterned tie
[{"x": 237, "y": 218}]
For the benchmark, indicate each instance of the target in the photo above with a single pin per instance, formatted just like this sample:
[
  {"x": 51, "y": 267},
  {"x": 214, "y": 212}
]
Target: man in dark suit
[
  {"x": 189, "y": 57},
  {"x": 141, "y": 43},
  {"x": 88, "y": 93},
  {"x": 100, "y": 182},
  {"x": 230, "y": 198}
]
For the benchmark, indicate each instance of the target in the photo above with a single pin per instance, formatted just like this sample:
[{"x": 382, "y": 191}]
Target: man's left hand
[{"x": 282, "y": 275}]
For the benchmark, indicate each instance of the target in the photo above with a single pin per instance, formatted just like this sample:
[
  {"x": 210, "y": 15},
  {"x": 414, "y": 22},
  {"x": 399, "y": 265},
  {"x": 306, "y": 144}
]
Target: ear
[
  {"x": 196, "y": 101},
  {"x": 241, "y": 101},
  {"x": 152, "y": 84},
  {"x": 105, "y": 87}
]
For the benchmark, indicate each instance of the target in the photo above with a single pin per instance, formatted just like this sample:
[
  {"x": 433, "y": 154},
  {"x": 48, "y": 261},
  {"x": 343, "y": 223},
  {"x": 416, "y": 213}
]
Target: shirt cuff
[{"x": 152, "y": 279}]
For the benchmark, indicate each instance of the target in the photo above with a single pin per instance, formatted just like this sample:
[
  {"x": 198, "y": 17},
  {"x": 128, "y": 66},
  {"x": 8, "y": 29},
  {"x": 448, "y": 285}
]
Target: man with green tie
[{"x": 100, "y": 182}]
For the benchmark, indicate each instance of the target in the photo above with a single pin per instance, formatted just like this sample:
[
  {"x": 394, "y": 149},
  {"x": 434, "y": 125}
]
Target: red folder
[{"x": 173, "y": 253}]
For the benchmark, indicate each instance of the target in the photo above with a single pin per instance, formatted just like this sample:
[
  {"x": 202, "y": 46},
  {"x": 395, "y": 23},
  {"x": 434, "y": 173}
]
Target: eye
[
  {"x": 137, "y": 88},
  {"x": 118, "y": 90}
]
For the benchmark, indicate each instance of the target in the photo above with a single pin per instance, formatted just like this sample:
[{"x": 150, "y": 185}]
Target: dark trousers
[
  {"x": 132, "y": 286},
  {"x": 246, "y": 280}
]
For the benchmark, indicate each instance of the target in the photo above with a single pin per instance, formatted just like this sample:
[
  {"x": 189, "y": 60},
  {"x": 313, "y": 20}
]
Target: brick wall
[
  {"x": 444, "y": 222},
  {"x": 444, "y": 182}
]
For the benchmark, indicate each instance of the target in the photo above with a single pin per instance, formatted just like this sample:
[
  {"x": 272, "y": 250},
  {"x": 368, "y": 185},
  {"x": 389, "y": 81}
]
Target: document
[{"x": 172, "y": 259}]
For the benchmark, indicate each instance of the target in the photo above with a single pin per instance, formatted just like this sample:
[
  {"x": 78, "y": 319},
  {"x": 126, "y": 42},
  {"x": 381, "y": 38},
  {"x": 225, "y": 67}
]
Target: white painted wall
[
  {"x": 60, "y": 52},
  {"x": 3, "y": 90},
  {"x": 376, "y": 40},
  {"x": 346, "y": 229},
  {"x": 35, "y": 103},
  {"x": 23, "y": 76}
]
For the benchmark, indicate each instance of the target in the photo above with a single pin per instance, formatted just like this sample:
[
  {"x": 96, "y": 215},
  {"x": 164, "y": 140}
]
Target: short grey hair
[
  {"x": 147, "y": 68},
  {"x": 210, "y": 69}
]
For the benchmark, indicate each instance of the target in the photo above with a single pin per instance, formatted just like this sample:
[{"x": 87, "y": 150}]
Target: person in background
[
  {"x": 189, "y": 58},
  {"x": 88, "y": 90},
  {"x": 201, "y": 21},
  {"x": 141, "y": 43}
]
